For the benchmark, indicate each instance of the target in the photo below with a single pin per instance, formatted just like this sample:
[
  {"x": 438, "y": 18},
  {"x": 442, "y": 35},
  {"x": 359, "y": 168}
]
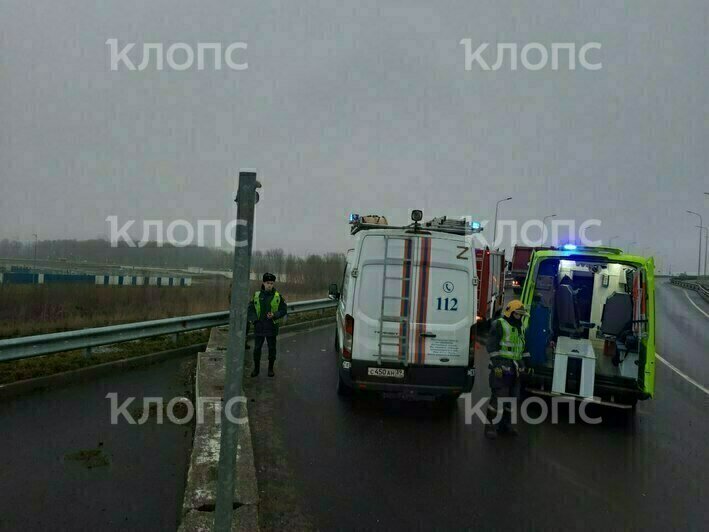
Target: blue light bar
[
  {"x": 475, "y": 226},
  {"x": 569, "y": 247},
  {"x": 354, "y": 218}
]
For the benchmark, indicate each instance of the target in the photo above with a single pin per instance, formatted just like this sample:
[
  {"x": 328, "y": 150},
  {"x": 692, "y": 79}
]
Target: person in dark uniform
[
  {"x": 505, "y": 344},
  {"x": 266, "y": 308}
]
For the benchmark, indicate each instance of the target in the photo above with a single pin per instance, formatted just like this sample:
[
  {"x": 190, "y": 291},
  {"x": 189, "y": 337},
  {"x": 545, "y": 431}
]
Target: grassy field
[
  {"x": 38, "y": 309},
  {"x": 27, "y": 310},
  {"x": 31, "y": 368}
]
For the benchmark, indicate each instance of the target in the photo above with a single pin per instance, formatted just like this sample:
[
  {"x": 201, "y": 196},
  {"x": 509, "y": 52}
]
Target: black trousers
[
  {"x": 504, "y": 384},
  {"x": 258, "y": 344}
]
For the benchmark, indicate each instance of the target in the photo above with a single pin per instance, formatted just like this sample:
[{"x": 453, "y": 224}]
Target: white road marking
[
  {"x": 693, "y": 303},
  {"x": 684, "y": 376}
]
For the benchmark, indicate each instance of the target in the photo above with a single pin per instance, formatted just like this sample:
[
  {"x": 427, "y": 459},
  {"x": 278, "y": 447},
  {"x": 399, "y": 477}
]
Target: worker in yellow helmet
[{"x": 505, "y": 345}]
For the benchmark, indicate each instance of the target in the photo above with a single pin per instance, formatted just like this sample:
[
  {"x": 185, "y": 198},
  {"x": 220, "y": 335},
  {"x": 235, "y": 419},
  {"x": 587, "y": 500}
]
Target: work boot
[
  {"x": 270, "y": 369},
  {"x": 257, "y": 366},
  {"x": 255, "y": 371}
]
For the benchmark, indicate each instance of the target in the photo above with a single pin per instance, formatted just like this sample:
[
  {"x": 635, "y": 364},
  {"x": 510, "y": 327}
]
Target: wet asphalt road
[
  {"x": 683, "y": 331},
  {"x": 325, "y": 463},
  {"x": 131, "y": 477}
]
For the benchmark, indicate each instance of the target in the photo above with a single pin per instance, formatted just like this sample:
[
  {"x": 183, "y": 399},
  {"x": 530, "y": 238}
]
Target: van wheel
[{"x": 342, "y": 389}]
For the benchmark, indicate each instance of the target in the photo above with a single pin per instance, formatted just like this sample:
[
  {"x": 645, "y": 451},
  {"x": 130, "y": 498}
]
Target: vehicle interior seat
[
  {"x": 617, "y": 322},
  {"x": 566, "y": 312}
]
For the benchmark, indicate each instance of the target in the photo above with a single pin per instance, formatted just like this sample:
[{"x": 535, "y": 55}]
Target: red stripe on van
[
  {"x": 424, "y": 269},
  {"x": 405, "y": 305},
  {"x": 417, "y": 327}
]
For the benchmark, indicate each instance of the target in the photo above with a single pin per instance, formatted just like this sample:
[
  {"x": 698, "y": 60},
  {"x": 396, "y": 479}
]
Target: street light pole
[
  {"x": 34, "y": 264},
  {"x": 630, "y": 245},
  {"x": 544, "y": 227},
  {"x": 611, "y": 239},
  {"x": 234, "y": 357},
  {"x": 494, "y": 229},
  {"x": 706, "y": 245},
  {"x": 699, "y": 259}
]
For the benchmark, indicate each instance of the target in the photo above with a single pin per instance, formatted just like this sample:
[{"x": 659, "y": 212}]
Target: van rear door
[
  {"x": 429, "y": 288},
  {"x": 644, "y": 290}
]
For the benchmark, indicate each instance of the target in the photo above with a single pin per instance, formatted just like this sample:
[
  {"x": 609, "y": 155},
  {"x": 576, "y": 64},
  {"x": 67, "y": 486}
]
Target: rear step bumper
[
  {"x": 593, "y": 400},
  {"x": 417, "y": 381},
  {"x": 618, "y": 392}
]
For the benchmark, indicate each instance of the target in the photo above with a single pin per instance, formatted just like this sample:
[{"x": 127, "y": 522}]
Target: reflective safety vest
[
  {"x": 512, "y": 341},
  {"x": 275, "y": 304}
]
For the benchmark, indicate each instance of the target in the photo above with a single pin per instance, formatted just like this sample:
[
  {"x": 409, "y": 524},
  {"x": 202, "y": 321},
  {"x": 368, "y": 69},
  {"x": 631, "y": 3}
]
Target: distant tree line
[
  {"x": 311, "y": 270},
  {"x": 101, "y": 251}
]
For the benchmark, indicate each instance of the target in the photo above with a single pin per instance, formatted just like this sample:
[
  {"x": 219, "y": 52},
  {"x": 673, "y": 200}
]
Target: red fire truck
[
  {"x": 520, "y": 261},
  {"x": 491, "y": 279}
]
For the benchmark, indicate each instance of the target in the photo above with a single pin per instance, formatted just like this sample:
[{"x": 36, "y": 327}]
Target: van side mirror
[{"x": 332, "y": 292}]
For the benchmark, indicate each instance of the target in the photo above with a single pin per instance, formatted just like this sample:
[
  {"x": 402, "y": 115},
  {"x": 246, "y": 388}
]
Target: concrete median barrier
[
  {"x": 201, "y": 490},
  {"x": 200, "y": 493}
]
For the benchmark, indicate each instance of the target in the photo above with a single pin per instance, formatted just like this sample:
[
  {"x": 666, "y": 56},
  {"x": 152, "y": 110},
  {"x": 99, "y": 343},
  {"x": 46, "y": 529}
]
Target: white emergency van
[{"x": 407, "y": 308}]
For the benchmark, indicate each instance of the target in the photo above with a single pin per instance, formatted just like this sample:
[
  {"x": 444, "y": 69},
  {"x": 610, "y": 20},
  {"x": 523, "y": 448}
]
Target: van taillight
[{"x": 349, "y": 333}]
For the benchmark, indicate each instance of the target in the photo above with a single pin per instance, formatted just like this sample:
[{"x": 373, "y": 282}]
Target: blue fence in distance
[{"x": 116, "y": 280}]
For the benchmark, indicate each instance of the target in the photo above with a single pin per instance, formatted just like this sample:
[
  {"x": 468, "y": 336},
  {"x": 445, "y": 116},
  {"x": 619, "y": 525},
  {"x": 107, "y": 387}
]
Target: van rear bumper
[{"x": 418, "y": 380}]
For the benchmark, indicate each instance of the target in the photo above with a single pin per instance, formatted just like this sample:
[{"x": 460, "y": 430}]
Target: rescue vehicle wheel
[{"x": 342, "y": 389}]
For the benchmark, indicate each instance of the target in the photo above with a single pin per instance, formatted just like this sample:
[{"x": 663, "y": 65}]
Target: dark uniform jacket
[{"x": 262, "y": 325}]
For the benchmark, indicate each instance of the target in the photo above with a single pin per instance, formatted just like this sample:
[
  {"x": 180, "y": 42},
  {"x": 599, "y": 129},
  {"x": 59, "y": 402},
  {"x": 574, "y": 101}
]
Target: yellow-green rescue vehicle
[{"x": 591, "y": 325}]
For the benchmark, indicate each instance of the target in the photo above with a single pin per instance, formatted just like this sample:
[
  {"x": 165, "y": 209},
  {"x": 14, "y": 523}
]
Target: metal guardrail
[
  {"x": 47, "y": 344},
  {"x": 691, "y": 285},
  {"x": 704, "y": 292}
]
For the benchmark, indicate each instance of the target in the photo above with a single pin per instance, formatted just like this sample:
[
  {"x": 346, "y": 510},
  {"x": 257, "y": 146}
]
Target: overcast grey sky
[{"x": 363, "y": 106}]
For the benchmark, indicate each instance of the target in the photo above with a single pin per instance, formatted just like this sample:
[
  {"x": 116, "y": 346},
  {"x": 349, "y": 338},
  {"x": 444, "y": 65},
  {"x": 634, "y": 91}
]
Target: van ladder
[{"x": 395, "y": 339}]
